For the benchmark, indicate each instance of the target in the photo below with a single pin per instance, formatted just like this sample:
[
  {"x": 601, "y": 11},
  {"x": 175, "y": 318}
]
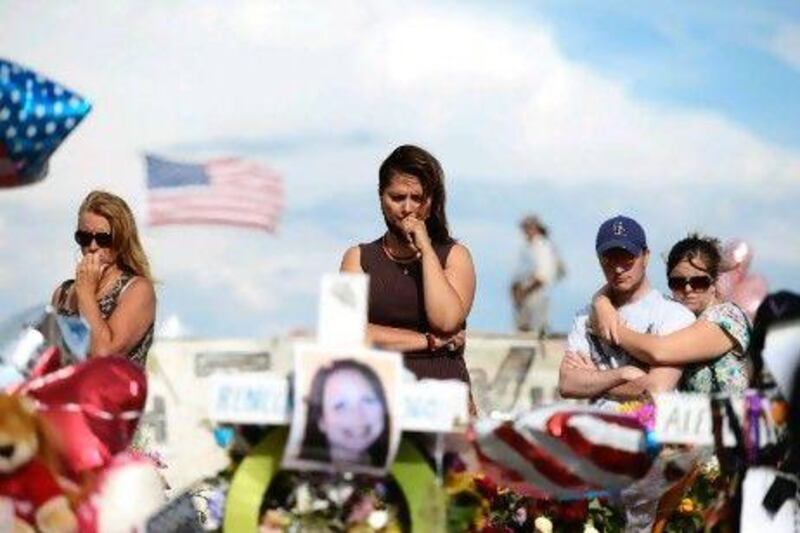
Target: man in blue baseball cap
[
  {"x": 596, "y": 370},
  {"x": 604, "y": 374}
]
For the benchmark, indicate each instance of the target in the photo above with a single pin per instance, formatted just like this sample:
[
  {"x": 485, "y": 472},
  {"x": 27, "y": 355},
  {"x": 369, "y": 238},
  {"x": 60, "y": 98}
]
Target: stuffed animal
[{"x": 26, "y": 477}]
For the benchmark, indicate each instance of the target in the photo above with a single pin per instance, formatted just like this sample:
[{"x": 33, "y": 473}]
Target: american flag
[
  {"x": 565, "y": 451},
  {"x": 227, "y": 191}
]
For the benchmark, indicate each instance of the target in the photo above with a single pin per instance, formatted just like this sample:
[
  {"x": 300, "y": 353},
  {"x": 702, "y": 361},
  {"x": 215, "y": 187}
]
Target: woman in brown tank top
[{"x": 422, "y": 282}]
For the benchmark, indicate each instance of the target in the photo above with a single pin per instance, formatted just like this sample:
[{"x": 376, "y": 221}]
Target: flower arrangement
[
  {"x": 477, "y": 504},
  {"x": 701, "y": 504},
  {"x": 316, "y": 502},
  {"x": 644, "y": 412}
]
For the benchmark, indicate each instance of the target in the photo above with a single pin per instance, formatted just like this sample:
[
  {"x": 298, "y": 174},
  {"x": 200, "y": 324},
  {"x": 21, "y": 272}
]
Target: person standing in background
[{"x": 539, "y": 267}]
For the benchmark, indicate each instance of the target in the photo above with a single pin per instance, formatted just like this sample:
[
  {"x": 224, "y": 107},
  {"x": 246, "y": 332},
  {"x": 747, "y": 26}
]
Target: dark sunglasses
[
  {"x": 85, "y": 238},
  {"x": 697, "y": 283},
  {"x": 613, "y": 260}
]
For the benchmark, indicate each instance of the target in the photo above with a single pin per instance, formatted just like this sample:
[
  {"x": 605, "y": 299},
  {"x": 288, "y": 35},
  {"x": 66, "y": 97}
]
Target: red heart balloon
[{"x": 93, "y": 408}]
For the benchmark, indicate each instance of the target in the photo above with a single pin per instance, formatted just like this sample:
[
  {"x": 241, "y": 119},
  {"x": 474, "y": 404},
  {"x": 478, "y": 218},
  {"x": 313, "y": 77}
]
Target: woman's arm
[
  {"x": 408, "y": 340},
  {"x": 702, "y": 341},
  {"x": 398, "y": 339},
  {"x": 604, "y": 317},
  {"x": 448, "y": 292},
  {"x": 134, "y": 314}
]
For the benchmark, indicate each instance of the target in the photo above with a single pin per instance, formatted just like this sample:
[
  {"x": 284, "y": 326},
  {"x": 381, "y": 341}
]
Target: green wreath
[{"x": 252, "y": 478}]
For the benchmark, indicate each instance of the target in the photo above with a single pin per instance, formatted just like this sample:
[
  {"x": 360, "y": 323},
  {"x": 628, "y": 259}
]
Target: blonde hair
[{"x": 125, "y": 237}]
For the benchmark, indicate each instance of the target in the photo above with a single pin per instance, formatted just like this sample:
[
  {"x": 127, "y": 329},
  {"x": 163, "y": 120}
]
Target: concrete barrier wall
[{"x": 509, "y": 374}]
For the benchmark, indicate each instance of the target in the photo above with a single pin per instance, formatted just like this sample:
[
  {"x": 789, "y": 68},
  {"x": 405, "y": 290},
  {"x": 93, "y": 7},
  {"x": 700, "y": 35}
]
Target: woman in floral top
[
  {"x": 713, "y": 349},
  {"x": 113, "y": 288}
]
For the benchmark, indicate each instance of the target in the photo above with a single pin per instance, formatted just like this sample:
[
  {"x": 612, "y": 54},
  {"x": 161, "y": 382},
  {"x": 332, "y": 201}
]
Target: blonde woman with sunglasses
[
  {"x": 713, "y": 349},
  {"x": 113, "y": 288}
]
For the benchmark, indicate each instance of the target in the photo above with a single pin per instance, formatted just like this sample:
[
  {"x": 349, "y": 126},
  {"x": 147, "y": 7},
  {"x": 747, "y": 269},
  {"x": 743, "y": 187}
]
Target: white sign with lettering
[
  {"x": 685, "y": 418},
  {"x": 343, "y": 310},
  {"x": 435, "y": 406},
  {"x": 249, "y": 398},
  {"x": 262, "y": 398}
]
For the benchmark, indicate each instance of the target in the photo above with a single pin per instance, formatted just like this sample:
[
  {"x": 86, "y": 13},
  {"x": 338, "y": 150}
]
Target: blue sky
[{"x": 683, "y": 115}]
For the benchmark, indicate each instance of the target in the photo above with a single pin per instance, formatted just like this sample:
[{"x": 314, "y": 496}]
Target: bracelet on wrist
[{"x": 431, "y": 341}]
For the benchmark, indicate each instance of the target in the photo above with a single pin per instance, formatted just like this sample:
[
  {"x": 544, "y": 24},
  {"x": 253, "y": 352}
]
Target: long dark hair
[
  {"x": 694, "y": 247},
  {"x": 414, "y": 161},
  {"x": 315, "y": 443}
]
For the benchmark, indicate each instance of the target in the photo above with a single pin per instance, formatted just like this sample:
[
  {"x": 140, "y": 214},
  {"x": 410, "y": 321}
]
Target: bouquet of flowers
[
  {"x": 317, "y": 502},
  {"x": 475, "y": 503}
]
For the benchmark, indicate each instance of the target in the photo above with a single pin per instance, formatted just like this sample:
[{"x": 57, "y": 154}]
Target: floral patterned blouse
[
  {"x": 731, "y": 370},
  {"x": 107, "y": 304}
]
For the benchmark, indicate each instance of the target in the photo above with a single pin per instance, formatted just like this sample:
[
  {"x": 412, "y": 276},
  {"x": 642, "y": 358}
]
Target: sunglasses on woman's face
[
  {"x": 85, "y": 238},
  {"x": 697, "y": 283}
]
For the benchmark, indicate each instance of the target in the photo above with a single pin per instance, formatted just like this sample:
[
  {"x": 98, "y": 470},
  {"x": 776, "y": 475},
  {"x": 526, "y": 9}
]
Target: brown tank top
[{"x": 396, "y": 300}]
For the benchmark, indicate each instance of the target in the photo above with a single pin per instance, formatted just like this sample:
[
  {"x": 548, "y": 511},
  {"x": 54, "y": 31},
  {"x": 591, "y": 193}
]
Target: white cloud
[
  {"x": 491, "y": 95},
  {"x": 786, "y": 44},
  {"x": 172, "y": 328}
]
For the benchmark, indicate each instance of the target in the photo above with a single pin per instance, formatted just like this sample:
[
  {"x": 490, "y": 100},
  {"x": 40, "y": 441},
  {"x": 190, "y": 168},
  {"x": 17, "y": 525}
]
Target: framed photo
[{"x": 346, "y": 410}]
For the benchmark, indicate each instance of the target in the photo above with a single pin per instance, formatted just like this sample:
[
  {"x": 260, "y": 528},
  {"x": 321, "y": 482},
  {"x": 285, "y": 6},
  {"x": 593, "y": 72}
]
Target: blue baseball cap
[{"x": 621, "y": 232}]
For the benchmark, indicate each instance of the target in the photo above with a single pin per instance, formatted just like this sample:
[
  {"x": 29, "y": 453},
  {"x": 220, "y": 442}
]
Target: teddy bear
[{"x": 26, "y": 475}]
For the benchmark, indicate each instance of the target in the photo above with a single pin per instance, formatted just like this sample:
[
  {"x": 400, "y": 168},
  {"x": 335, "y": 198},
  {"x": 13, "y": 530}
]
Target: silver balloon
[{"x": 28, "y": 336}]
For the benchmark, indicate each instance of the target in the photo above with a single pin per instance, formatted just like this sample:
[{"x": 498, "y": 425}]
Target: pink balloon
[
  {"x": 749, "y": 293},
  {"x": 735, "y": 283}
]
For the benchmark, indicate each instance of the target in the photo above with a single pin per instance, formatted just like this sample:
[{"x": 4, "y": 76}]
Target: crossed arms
[{"x": 579, "y": 377}]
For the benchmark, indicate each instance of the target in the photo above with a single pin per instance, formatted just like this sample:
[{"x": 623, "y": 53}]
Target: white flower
[
  {"x": 320, "y": 505},
  {"x": 589, "y": 528},
  {"x": 340, "y": 494},
  {"x": 378, "y": 519},
  {"x": 303, "y": 504},
  {"x": 543, "y": 525}
]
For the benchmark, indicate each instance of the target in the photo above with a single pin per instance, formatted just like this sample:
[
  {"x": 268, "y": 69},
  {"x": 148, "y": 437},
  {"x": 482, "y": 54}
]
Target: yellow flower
[
  {"x": 629, "y": 406},
  {"x": 687, "y": 506},
  {"x": 459, "y": 482}
]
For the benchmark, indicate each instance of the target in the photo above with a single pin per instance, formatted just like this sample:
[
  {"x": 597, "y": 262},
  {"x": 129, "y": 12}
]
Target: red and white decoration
[{"x": 565, "y": 451}]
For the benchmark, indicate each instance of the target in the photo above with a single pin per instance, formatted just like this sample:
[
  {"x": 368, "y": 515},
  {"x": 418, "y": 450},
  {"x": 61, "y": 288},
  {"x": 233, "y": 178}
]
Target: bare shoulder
[
  {"x": 351, "y": 260},
  {"x": 459, "y": 254},
  {"x": 139, "y": 288}
]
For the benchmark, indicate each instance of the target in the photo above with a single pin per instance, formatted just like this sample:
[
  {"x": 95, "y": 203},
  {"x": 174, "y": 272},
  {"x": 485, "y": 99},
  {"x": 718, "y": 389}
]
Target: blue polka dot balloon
[{"x": 36, "y": 115}]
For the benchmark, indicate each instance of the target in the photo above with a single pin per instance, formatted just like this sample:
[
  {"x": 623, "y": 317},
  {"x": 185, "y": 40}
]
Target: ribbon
[{"x": 753, "y": 412}]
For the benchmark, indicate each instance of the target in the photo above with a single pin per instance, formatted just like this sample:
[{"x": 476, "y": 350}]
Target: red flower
[
  {"x": 574, "y": 511},
  {"x": 495, "y": 529},
  {"x": 486, "y": 486}
]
